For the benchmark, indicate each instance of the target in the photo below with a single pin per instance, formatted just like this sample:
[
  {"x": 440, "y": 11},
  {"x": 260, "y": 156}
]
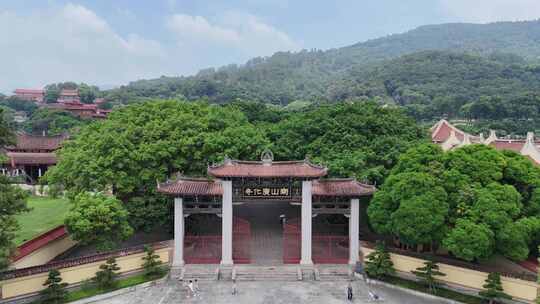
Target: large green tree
[
  {"x": 98, "y": 219},
  {"x": 474, "y": 201},
  {"x": 357, "y": 139},
  {"x": 144, "y": 143}
]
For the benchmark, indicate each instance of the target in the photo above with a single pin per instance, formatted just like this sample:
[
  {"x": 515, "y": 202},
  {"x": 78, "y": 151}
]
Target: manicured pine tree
[
  {"x": 378, "y": 263},
  {"x": 427, "y": 273},
  {"x": 493, "y": 289},
  {"x": 152, "y": 264},
  {"x": 106, "y": 277},
  {"x": 56, "y": 291}
]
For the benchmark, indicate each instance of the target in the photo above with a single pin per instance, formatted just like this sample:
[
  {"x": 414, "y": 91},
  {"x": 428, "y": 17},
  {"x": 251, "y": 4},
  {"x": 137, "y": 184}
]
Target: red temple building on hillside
[
  {"x": 80, "y": 109},
  {"x": 31, "y": 156},
  {"x": 449, "y": 137},
  {"x": 69, "y": 96},
  {"x": 35, "y": 95}
]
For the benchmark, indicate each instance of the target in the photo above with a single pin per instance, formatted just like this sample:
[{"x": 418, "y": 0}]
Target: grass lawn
[
  {"x": 441, "y": 292},
  {"x": 122, "y": 283},
  {"x": 46, "y": 213}
]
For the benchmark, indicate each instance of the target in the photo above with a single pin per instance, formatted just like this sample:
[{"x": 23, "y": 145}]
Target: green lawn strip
[
  {"x": 122, "y": 283},
  {"x": 46, "y": 214},
  {"x": 441, "y": 292}
]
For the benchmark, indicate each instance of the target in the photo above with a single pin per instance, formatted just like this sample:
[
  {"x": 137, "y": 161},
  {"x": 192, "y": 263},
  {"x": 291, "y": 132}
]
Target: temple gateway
[{"x": 266, "y": 212}]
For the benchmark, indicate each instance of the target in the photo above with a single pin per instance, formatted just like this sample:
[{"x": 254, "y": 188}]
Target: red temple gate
[
  {"x": 206, "y": 249},
  {"x": 241, "y": 241},
  {"x": 330, "y": 249},
  {"x": 326, "y": 249},
  {"x": 292, "y": 240}
]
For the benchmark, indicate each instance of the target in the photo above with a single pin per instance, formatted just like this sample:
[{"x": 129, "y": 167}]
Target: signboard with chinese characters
[{"x": 266, "y": 190}]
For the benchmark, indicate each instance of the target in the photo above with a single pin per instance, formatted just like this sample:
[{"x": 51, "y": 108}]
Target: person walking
[
  {"x": 349, "y": 292},
  {"x": 191, "y": 289},
  {"x": 234, "y": 291},
  {"x": 196, "y": 288}
]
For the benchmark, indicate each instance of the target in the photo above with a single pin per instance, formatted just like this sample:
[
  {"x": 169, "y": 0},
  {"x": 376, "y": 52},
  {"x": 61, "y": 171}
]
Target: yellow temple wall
[
  {"x": 522, "y": 290},
  {"x": 32, "y": 284}
]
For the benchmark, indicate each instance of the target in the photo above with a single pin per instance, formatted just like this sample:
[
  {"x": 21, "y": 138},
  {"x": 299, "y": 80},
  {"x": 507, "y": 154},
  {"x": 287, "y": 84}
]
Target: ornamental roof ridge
[
  {"x": 179, "y": 177},
  {"x": 249, "y": 168},
  {"x": 346, "y": 179}
]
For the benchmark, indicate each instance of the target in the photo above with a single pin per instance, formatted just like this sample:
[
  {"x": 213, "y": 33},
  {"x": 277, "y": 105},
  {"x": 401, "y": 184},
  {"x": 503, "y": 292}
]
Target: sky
[{"x": 106, "y": 43}]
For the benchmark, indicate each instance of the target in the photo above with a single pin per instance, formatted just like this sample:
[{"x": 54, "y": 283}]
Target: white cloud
[
  {"x": 492, "y": 10},
  {"x": 73, "y": 43},
  {"x": 198, "y": 28},
  {"x": 240, "y": 32}
]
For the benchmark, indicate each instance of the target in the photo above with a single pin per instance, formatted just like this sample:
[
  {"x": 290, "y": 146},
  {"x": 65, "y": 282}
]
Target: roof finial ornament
[
  {"x": 227, "y": 160},
  {"x": 267, "y": 157}
]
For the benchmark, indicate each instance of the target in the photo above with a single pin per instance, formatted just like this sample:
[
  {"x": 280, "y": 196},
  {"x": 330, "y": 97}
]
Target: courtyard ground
[
  {"x": 47, "y": 213},
  {"x": 266, "y": 293}
]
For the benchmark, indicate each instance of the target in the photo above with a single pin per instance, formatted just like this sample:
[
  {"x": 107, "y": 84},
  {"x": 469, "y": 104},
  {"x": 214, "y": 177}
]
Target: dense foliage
[
  {"x": 146, "y": 142},
  {"x": 286, "y": 77},
  {"x": 52, "y": 122},
  {"x": 361, "y": 140},
  {"x": 483, "y": 73},
  {"x": 143, "y": 143},
  {"x": 474, "y": 201},
  {"x": 98, "y": 219},
  {"x": 12, "y": 202}
]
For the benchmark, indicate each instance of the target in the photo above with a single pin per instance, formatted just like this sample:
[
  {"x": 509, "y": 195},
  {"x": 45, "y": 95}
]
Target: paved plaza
[{"x": 265, "y": 292}]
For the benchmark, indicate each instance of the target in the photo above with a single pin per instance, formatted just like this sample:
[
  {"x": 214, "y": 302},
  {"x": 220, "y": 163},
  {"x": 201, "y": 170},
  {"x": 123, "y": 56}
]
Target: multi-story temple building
[
  {"x": 30, "y": 157},
  {"x": 449, "y": 137},
  {"x": 266, "y": 212},
  {"x": 35, "y": 95},
  {"x": 69, "y": 96}
]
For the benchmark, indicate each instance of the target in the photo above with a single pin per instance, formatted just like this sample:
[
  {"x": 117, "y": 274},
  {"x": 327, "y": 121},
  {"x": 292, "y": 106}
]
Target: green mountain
[{"x": 464, "y": 62}]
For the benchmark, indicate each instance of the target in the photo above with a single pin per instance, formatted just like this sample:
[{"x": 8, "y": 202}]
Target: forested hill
[
  {"x": 443, "y": 83},
  {"x": 490, "y": 59}
]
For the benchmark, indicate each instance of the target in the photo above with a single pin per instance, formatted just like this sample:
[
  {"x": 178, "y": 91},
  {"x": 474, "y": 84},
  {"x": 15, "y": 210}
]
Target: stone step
[
  {"x": 201, "y": 273},
  {"x": 333, "y": 273},
  {"x": 267, "y": 273}
]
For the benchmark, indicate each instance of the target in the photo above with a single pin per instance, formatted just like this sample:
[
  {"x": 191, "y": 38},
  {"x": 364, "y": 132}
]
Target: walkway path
[{"x": 265, "y": 293}]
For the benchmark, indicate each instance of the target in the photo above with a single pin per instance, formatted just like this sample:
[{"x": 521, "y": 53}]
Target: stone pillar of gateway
[{"x": 244, "y": 182}]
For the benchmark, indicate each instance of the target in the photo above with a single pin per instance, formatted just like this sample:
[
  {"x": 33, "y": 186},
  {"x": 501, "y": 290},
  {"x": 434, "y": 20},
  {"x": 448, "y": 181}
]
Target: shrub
[
  {"x": 106, "y": 277},
  {"x": 378, "y": 263},
  {"x": 152, "y": 264},
  {"x": 427, "y": 273},
  {"x": 56, "y": 291}
]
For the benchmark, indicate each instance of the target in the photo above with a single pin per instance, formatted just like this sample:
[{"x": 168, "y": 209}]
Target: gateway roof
[
  {"x": 331, "y": 187},
  {"x": 236, "y": 168}
]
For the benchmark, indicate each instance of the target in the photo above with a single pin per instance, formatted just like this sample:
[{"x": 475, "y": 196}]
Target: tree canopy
[
  {"x": 52, "y": 122},
  {"x": 148, "y": 142},
  {"x": 98, "y": 219},
  {"x": 474, "y": 201}
]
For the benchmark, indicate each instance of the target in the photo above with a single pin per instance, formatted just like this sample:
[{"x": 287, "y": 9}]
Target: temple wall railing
[{"x": 27, "y": 282}]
